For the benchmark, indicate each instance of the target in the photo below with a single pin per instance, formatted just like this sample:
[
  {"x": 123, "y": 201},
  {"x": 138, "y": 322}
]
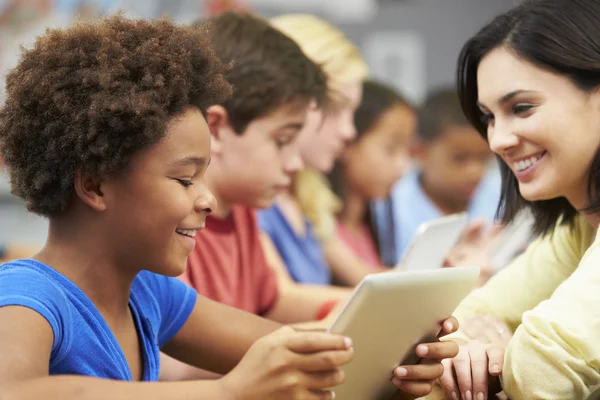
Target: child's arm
[
  {"x": 345, "y": 266},
  {"x": 185, "y": 362},
  {"x": 284, "y": 364},
  {"x": 25, "y": 344},
  {"x": 83, "y": 388},
  {"x": 227, "y": 334},
  {"x": 312, "y": 298},
  {"x": 216, "y": 336}
]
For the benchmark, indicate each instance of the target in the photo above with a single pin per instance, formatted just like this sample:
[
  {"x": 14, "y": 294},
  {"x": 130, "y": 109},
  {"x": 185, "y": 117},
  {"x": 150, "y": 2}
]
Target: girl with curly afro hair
[{"x": 103, "y": 133}]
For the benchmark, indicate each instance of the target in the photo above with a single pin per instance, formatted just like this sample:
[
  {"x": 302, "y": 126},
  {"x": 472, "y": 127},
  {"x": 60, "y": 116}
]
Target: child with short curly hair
[{"x": 103, "y": 133}]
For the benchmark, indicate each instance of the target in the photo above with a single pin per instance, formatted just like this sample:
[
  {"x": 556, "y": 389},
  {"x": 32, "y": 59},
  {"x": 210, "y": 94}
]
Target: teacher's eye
[
  {"x": 521, "y": 109},
  {"x": 185, "y": 182},
  {"x": 486, "y": 118}
]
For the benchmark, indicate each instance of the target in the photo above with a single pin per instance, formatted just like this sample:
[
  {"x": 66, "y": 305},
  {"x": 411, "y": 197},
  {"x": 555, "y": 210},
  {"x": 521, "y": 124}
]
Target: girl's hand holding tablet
[
  {"x": 290, "y": 364},
  {"x": 418, "y": 380}
]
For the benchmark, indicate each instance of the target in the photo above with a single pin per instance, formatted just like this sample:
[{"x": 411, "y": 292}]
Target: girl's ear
[{"x": 88, "y": 189}]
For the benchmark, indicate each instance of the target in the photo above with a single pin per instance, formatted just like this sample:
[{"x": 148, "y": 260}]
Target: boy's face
[
  {"x": 453, "y": 164},
  {"x": 254, "y": 166},
  {"x": 156, "y": 207}
]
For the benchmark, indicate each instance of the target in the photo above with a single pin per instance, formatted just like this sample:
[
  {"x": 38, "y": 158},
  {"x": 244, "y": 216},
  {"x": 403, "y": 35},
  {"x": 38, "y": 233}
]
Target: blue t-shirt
[
  {"x": 302, "y": 255},
  {"x": 83, "y": 342},
  {"x": 411, "y": 207}
]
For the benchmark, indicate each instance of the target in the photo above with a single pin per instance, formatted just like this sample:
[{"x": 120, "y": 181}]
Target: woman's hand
[
  {"x": 487, "y": 329},
  {"x": 477, "y": 368}
]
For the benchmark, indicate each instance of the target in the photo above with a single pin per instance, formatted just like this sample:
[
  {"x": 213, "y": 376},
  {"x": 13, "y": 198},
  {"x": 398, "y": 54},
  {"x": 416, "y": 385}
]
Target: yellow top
[{"x": 550, "y": 298}]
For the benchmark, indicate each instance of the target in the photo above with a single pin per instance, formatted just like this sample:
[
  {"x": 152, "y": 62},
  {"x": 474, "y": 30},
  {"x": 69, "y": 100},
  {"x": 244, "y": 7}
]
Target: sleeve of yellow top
[
  {"x": 555, "y": 352},
  {"x": 530, "y": 279}
]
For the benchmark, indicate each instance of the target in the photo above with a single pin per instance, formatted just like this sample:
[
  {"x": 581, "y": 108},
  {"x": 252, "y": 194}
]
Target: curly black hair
[{"x": 91, "y": 96}]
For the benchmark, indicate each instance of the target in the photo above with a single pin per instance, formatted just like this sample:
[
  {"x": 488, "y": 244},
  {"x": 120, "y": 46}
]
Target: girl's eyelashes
[{"x": 185, "y": 182}]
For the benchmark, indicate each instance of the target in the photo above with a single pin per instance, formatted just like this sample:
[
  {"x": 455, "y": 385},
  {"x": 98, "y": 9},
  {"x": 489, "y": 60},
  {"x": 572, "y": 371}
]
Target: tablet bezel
[{"x": 443, "y": 233}]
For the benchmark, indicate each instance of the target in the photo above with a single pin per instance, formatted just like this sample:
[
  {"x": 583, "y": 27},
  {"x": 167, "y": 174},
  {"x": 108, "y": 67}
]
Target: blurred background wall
[{"x": 412, "y": 44}]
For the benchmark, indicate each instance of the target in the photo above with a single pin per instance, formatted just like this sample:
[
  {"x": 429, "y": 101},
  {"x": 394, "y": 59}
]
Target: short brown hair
[
  {"x": 91, "y": 96},
  {"x": 441, "y": 110},
  {"x": 269, "y": 70}
]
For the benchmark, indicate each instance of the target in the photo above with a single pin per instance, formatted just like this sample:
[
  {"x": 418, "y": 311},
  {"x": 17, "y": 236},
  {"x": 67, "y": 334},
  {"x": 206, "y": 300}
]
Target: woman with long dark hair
[{"x": 529, "y": 81}]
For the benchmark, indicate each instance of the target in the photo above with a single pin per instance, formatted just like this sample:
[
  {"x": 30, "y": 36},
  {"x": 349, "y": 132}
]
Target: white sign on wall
[{"x": 398, "y": 58}]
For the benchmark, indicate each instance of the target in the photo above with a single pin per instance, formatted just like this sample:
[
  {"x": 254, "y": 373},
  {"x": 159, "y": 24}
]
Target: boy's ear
[
  {"x": 217, "y": 119},
  {"x": 89, "y": 190}
]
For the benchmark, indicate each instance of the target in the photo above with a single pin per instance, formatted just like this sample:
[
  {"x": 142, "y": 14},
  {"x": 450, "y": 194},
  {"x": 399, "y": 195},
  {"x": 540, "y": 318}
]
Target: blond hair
[
  {"x": 325, "y": 45},
  {"x": 343, "y": 64},
  {"x": 318, "y": 202}
]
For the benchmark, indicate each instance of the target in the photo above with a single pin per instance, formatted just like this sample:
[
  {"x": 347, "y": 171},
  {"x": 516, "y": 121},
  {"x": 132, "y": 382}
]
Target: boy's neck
[
  {"x": 355, "y": 207},
  {"x": 78, "y": 254},
  {"x": 443, "y": 203}
]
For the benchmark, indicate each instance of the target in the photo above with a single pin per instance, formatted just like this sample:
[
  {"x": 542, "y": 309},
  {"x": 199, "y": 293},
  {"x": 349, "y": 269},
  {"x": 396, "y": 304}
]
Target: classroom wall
[{"x": 411, "y": 43}]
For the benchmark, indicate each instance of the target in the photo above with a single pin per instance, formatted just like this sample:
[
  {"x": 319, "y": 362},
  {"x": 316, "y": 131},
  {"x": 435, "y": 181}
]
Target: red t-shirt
[{"x": 228, "y": 264}]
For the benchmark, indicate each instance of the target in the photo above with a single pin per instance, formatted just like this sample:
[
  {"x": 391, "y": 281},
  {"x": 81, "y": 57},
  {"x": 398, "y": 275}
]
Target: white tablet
[
  {"x": 387, "y": 316},
  {"x": 432, "y": 243}
]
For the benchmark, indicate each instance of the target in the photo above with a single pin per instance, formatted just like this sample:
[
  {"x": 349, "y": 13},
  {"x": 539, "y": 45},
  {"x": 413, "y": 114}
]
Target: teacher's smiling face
[{"x": 545, "y": 128}]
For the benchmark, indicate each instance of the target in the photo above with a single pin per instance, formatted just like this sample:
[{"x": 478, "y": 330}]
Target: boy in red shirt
[{"x": 254, "y": 156}]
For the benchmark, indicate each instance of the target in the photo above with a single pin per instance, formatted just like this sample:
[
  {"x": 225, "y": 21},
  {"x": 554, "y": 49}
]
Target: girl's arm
[
  {"x": 25, "y": 344},
  {"x": 298, "y": 302},
  {"x": 345, "y": 266},
  {"x": 284, "y": 364},
  {"x": 216, "y": 336}
]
